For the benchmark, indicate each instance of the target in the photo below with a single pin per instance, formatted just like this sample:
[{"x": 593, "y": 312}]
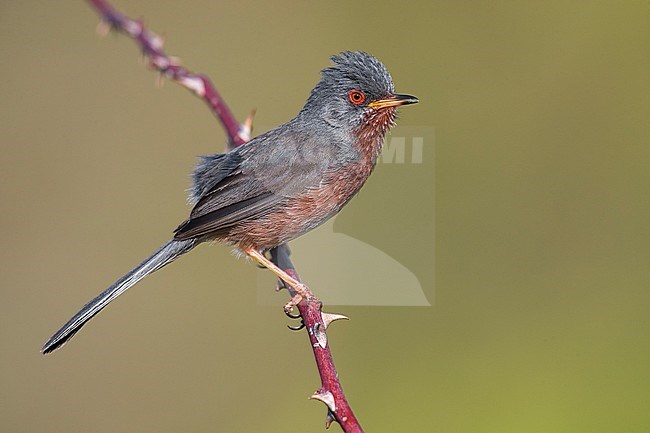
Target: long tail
[{"x": 164, "y": 255}]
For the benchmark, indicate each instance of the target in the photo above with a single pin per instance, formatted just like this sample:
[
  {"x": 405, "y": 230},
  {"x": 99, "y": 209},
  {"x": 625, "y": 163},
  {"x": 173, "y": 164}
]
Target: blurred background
[{"x": 526, "y": 225}]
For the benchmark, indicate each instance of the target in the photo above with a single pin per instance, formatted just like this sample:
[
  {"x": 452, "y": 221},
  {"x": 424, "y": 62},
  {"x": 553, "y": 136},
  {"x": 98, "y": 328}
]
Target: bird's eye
[{"x": 356, "y": 97}]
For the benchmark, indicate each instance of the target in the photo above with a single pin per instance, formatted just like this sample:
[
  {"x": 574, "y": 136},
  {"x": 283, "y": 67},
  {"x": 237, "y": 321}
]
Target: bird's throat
[{"x": 370, "y": 136}]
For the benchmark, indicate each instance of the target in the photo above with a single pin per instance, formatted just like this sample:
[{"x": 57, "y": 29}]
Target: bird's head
[{"x": 356, "y": 93}]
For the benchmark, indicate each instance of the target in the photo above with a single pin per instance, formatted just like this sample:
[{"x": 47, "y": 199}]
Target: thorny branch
[
  {"x": 315, "y": 321},
  {"x": 151, "y": 45}
]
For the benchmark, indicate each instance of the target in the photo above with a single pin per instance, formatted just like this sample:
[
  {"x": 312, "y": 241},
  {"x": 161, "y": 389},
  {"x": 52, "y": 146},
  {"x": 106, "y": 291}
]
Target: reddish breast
[{"x": 314, "y": 206}]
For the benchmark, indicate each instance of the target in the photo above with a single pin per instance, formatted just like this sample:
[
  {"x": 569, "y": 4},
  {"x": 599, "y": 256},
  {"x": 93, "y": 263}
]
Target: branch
[
  {"x": 313, "y": 318},
  {"x": 151, "y": 45},
  {"x": 316, "y": 322}
]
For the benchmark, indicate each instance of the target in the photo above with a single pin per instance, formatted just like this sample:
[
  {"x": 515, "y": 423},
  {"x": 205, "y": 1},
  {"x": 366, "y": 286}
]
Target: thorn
[
  {"x": 329, "y": 419},
  {"x": 157, "y": 41},
  {"x": 103, "y": 28},
  {"x": 320, "y": 335},
  {"x": 160, "y": 63},
  {"x": 133, "y": 27},
  {"x": 331, "y": 317},
  {"x": 193, "y": 83},
  {"x": 247, "y": 127},
  {"x": 143, "y": 58},
  {"x": 280, "y": 285},
  {"x": 326, "y": 397},
  {"x": 160, "y": 80}
]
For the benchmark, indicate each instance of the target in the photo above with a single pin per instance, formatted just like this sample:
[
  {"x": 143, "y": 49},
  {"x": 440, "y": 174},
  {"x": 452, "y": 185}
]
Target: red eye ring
[{"x": 356, "y": 97}]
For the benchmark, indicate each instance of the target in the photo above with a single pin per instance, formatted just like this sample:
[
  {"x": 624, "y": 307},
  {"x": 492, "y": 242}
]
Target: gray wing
[
  {"x": 229, "y": 202},
  {"x": 253, "y": 179}
]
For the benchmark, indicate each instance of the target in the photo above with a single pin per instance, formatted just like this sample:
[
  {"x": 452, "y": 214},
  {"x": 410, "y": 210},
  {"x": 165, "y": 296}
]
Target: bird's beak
[{"x": 394, "y": 100}]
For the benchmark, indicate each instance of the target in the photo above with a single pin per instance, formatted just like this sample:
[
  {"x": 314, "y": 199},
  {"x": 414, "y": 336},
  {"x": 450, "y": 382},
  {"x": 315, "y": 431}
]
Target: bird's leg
[{"x": 302, "y": 291}]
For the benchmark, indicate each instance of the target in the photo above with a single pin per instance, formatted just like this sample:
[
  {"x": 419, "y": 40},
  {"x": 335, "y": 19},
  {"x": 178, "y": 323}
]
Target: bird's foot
[
  {"x": 288, "y": 308},
  {"x": 302, "y": 292},
  {"x": 292, "y": 316}
]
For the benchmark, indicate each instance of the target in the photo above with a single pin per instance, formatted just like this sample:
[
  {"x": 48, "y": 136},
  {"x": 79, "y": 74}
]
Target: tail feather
[{"x": 163, "y": 256}]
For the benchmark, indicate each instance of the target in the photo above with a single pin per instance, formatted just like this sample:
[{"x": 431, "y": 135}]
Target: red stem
[
  {"x": 151, "y": 45},
  {"x": 238, "y": 134},
  {"x": 312, "y": 317}
]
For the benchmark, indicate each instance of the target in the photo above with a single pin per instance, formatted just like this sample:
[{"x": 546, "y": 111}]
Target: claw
[
  {"x": 290, "y": 315},
  {"x": 297, "y": 328},
  {"x": 288, "y": 308}
]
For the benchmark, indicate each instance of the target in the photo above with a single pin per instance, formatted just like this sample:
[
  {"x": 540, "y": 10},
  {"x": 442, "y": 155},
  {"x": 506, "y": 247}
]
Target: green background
[{"x": 537, "y": 274}]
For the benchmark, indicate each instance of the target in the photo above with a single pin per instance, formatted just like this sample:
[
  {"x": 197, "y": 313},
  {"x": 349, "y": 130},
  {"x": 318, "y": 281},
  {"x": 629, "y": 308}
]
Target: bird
[{"x": 282, "y": 183}]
